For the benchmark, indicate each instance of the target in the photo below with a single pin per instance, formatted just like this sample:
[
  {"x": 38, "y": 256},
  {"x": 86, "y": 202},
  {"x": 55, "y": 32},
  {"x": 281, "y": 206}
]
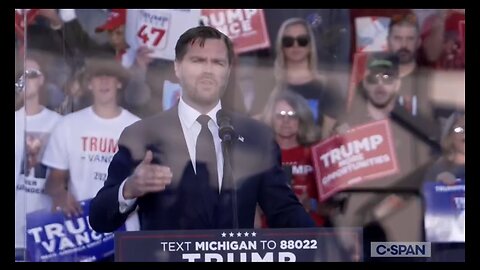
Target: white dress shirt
[{"x": 191, "y": 128}]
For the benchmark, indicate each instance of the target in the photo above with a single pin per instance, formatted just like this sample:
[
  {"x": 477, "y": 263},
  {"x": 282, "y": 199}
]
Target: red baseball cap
[{"x": 116, "y": 18}]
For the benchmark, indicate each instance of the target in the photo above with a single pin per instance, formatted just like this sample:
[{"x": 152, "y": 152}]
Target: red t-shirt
[{"x": 303, "y": 177}]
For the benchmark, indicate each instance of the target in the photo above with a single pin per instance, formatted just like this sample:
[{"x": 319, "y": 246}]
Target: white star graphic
[
  {"x": 231, "y": 234},
  {"x": 246, "y": 234},
  {"x": 239, "y": 234},
  {"x": 223, "y": 234},
  {"x": 254, "y": 234}
]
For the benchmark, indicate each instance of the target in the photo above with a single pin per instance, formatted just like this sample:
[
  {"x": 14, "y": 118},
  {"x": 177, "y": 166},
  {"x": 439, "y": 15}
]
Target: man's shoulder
[
  {"x": 80, "y": 116},
  {"x": 250, "y": 130},
  {"x": 136, "y": 137},
  {"x": 156, "y": 119},
  {"x": 150, "y": 125},
  {"x": 248, "y": 123}
]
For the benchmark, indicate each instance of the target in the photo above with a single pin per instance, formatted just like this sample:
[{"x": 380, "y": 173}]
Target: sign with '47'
[
  {"x": 158, "y": 29},
  {"x": 152, "y": 36}
]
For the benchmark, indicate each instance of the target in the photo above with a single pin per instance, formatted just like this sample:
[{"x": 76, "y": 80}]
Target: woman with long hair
[
  {"x": 295, "y": 69},
  {"x": 295, "y": 131}
]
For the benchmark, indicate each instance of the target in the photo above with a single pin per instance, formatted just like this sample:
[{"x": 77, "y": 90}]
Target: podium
[{"x": 240, "y": 245}]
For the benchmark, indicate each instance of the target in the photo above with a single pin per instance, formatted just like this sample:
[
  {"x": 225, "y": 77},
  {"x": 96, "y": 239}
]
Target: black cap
[{"x": 383, "y": 62}]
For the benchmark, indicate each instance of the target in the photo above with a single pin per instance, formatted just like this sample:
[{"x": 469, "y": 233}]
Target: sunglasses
[
  {"x": 459, "y": 130},
  {"x": 286, "y": 114},
  {"x": 33, "y": 73},
  {"x": 30, "y": 74},
  {"x": 384, "y": 78},
  {"x": 288, "y": 41}
]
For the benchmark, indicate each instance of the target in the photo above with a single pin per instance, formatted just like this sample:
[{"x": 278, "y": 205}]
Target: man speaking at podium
[{"x": 195, "y": 166}]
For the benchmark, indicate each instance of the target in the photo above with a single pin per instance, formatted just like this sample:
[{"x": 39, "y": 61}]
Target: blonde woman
[{"x": 295, "y": 70}]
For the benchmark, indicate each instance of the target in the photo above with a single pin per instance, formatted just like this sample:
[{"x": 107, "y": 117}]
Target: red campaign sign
[
  {"x": 363, "y": 153},
  {"x": 358, "y": 70},
  {"x": 246, "y": 27}
]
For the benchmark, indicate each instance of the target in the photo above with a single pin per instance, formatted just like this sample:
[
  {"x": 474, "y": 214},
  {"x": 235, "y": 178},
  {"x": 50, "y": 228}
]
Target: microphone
[
  {"x": 225, "y": 128},
  {"x": 226, "y": 133}
]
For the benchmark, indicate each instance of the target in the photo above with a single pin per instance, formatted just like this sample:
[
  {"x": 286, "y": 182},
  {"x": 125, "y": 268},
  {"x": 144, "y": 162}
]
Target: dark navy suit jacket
[{"x": 187, "y": 203}]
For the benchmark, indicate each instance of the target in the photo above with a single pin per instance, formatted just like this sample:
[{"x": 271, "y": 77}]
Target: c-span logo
[{"x": 400, "y": 249}]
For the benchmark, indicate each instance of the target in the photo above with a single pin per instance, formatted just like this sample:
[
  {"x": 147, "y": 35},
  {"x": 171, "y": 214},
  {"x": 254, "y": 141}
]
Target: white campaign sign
[{"x": 158, "y": 29}]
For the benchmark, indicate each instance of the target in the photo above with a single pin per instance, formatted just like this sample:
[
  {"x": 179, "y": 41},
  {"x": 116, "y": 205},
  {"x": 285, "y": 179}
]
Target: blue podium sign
[{"x": 239, "y": 245}]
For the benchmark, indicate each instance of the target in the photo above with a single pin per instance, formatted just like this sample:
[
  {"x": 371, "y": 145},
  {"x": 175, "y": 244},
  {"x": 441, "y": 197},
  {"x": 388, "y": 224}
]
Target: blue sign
[
  {"x": 445, "y": 212},
  {"x": 52, "y": 237}
]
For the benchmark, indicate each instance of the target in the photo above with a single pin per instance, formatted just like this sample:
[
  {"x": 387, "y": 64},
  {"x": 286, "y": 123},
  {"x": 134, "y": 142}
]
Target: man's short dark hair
[
  {"x": 404, "y": 19},
  {"x": 201, "y": 33}
]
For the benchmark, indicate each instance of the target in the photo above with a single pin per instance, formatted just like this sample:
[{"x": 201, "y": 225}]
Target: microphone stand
[{"x": 228, "y": 176}]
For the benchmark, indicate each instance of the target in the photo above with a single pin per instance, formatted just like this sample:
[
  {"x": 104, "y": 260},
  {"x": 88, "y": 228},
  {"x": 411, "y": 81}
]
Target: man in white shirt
[{"x": 83, "y": 143}]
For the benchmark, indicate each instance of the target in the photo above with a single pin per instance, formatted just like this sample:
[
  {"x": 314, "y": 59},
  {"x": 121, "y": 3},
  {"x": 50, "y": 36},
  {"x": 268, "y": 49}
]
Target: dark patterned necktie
[{"x": 206, "y": 158}]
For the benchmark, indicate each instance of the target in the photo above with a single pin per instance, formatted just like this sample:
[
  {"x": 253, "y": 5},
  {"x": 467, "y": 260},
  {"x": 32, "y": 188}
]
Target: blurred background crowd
[{"x": 316, "y": 73}]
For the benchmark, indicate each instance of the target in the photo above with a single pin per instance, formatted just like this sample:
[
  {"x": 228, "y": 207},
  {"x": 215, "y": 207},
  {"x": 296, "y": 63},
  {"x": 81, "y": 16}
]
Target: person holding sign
[
  {"x": 137, "y": 92},
  {"x": 399, "y": 216},
  {"x": 171, "y": 165},
  {"x": 84, "y": 142}
]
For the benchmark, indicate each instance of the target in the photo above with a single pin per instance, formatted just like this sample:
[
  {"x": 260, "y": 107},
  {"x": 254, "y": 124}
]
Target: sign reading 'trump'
[
  {"x": 52, "y": 237},
  {"x": 364, "y": 153},
  {"x": 239, "y": 245},
  {"x": 246, "y": 27}
]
